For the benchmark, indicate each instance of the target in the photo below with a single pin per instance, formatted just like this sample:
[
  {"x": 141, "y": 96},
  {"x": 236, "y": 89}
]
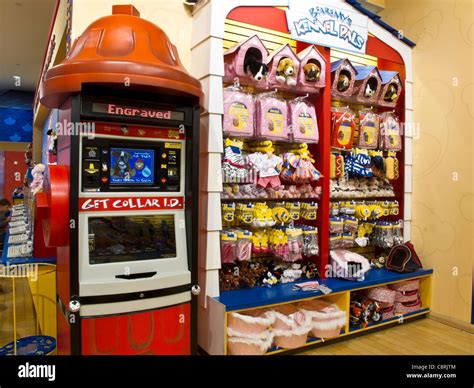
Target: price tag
[{"x": 324, "y": 289}]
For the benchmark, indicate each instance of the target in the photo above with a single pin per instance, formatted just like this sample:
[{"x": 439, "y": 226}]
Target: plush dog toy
[
  {"x": 391, "y": 94},
  {"x": 343, "y": 82},
  {"x": 311, "y": 72},
  {"x": 369, "y": 92},
  {"x": 286, "y": 71},
  {"x": 255, "y": 67}
]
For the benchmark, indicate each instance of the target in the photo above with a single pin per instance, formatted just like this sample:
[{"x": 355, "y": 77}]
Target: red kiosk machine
[{"x": 122, "y": 211}]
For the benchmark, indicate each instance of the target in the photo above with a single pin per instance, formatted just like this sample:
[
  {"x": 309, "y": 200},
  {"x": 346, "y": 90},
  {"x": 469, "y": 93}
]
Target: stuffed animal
[
  {"x": 254, "y": 67},
  {"x": 286, "y": 71},
  {"x": 391, "y": 94},
  {"x": 343, "y": 82},
  {"x": 311, "y": 72},
  {"x": 368, "y": 92}
]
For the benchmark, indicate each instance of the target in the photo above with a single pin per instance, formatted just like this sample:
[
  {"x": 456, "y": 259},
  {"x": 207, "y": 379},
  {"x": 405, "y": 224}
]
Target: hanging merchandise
[
  {"x": 239, "y": 113},
  {"x": 303, "y": 121},
  {"x": 272, "y": 117},
  {"x": 294, "y": 209},
  {"x": 233, "y": 163},
  {"x": 267, "y": 164},
  {"x": 228, "y": 246},
  {"x": 310, "y": 240},
  {"x": 392, "y": 169},
  {"x": 358, "y": 164},
  {"x": 298, "y": 167},
  {"x": 243, "y": 248},
  {"x": 260, "y": 241},
  {"x": 390, "y": 132},
  {"x": 343, "y": 128},
  {"x": 369, "y": 127},
  {"x": 228, "y": 213},
  {"x": 244, "y": 213},
  {"x": 309, "y": 211},
  {"x": 378, "y": 163}
]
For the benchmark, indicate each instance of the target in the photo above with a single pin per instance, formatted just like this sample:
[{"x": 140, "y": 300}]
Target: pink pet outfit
[{"x": 268, "y": 167}]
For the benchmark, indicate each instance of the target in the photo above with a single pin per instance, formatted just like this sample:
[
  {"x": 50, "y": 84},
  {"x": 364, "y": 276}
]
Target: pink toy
[
  {"x": 327, "y": 318},
  {"x": 280, "y": 75},
  {"x": 391, "y": 88},
  {"x": 407, "y": 307},
  {"x": 272, "y": 118},
  {"x": 387, "y": 311},
  {"x": 342, "y": 264},
  {"x": 250, "y": 51},
  {"x": 381, "y": 294},
  {"x": 239, "y": 111},
  {"x": 406, "y": 296},
  {"x": 303, "y": 121},
  {"x": 291, "y": 327},
  {"x": 311, "y": 76}
]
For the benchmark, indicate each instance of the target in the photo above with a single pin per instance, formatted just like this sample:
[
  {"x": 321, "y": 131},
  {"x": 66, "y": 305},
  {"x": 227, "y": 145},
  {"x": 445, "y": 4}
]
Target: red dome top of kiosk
[{"x": 118, "y": 49}]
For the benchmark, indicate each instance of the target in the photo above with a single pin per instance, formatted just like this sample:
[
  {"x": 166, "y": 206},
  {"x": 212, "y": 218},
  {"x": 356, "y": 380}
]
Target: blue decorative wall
[{"x": 16, "y": 116}]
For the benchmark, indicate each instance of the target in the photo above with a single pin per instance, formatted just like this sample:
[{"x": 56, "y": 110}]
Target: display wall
[{"x": 442, "y": 224}]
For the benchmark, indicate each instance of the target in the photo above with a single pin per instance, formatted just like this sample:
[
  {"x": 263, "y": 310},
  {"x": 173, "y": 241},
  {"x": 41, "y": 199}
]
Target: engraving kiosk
[{"x": 122, "y": 211}]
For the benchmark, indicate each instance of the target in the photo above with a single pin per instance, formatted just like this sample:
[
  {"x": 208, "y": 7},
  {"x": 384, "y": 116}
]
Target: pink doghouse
[
  {"x": 367, "y": 85},
  {"x": 234, "y": 59},
  {"x": 273, "y": 61},
  {"x": 310, "y": 55}
]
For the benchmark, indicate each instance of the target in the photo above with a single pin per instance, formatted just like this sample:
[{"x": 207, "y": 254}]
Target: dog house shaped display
[
  {"x": 283, "y": 68},
  {"x": 391, "y": 88},
  {"x": 312, "y": 69},
  {"x": 367, "y": 84},
  {"x": 343, "y": 76},
  {"x": 246, "y": 61}
]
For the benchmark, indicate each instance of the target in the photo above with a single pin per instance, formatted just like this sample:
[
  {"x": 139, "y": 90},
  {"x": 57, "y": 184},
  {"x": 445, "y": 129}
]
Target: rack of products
[{"x": 343, "y": 115}]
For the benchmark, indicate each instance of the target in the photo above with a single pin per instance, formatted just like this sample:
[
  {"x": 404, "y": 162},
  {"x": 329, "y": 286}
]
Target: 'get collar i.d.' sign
[{"x": 326, "y": 25}]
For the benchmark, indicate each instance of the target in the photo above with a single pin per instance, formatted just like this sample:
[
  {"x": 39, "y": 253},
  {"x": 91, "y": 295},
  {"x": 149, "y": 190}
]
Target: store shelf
[
  {"x": 283, "y": 293},
  {"x": 314, "y": 199},
  {"x": 396, "y": 318}
]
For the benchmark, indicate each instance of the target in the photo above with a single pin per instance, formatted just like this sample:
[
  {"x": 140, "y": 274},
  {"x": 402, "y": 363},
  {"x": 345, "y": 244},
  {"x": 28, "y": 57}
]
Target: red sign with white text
[{"x": 130, "y": 203}]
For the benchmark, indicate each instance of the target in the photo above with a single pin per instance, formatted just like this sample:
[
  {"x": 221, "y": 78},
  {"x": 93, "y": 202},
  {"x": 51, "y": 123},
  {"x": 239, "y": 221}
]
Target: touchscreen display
[
  {"x": 131, "y": 238},
  {"x": 131, "y": 166}
]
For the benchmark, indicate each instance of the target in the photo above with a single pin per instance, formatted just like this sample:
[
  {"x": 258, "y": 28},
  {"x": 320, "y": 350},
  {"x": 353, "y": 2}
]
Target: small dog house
[
  {"x": 367, "y": 85},
  {"x": 312, "y": 70},
  {"x": 283, "y": 68},
  {"x": 343, "y": 76},
  {"x": 391, "y": 88},
  {"x": 250, "y": 51}
]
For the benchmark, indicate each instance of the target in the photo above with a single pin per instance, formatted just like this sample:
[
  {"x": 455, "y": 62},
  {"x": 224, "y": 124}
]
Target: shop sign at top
[{"x": 323, "y": 24}]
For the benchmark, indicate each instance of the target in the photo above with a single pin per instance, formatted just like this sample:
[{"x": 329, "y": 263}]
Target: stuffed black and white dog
[{"x": 255, "y": 67}]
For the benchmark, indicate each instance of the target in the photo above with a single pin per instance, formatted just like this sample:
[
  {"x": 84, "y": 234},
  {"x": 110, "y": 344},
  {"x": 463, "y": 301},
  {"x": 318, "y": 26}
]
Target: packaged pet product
[
  {"x": 299, "y": 169},
  {"x": 228, "y": 246},
  {"x": 381, "y": 294},
  {"x": 268, "y": 167},
  {"x": 310, "y": 241},
  {"x": 343, "y": 128},
  {"x": 272, "y": 118},
  {"x": 233, "y": 163},
  {"x": 295, "y": 244},
  {"x": 406, "y": 291},
  {"x": 309, "y": 211},
  {"x": 243, "y": 248},
  {"x": 239, "y": 113},
  {"x": 327, "y": 318},
  {"x": 303, "y": 121},
  {"x": 390, "y": 133},
  {"x": 369, "y": 127},
  {"x": 291, "y": 327},
  {"x": 408, "y": 307},
  {"x": 348, "y": 265}
]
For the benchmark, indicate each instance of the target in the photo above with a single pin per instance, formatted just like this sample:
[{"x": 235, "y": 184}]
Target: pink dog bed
[
  {"x": 243, "y": 346},
  {"x": 291, "y": 327},
  {"x": 407, "y": 307},
  {"x": 408, "y": 285},
  {"x": 327, "y": 319},
  {"x": 249, "y": 323}
]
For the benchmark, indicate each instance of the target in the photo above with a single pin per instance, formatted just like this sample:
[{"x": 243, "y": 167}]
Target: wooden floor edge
[{"x": 451, "y": 322}]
